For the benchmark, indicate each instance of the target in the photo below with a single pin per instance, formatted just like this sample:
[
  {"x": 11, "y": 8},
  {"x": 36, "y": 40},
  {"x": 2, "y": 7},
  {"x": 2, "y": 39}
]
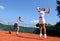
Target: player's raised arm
[
  {"x": 48, "y": 11},
  {"x": 38, "y": 9}
]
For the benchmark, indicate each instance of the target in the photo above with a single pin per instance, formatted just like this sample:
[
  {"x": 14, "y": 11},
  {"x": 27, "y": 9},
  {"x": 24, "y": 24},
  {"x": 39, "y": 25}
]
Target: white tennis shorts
[{"x": 41, "y": 20}]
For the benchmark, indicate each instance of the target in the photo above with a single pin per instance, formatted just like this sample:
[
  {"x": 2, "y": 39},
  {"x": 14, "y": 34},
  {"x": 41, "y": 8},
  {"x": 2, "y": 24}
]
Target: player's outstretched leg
[{"x": 17, "y": 31}]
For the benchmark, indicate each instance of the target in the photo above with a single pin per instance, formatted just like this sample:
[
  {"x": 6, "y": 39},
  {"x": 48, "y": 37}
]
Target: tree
[{"x": 58, "y": 8}]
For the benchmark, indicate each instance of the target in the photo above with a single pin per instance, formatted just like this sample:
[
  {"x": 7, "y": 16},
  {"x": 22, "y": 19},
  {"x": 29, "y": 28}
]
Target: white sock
[
  {"x": 45, "y": 35},
  {"x": 40, "y": 34},
  {"x": 17, "y": 33}
]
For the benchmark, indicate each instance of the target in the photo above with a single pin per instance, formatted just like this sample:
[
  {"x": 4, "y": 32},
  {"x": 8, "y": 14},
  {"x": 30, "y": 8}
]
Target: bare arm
[
  {"x": 48, "y": 11},
  {"x": 38, "y": 9},
  {"x": 21, "y": 20}
]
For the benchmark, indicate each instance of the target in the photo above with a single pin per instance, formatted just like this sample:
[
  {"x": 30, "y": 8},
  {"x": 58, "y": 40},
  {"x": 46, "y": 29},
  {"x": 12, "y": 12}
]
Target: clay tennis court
[{"x": 5, "y": 36}]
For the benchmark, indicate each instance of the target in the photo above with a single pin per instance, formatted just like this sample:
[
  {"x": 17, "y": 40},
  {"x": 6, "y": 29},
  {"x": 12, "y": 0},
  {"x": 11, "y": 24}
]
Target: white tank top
[
  {"x": 42, "y": 13},
  {"x": 17, "y": 21}
]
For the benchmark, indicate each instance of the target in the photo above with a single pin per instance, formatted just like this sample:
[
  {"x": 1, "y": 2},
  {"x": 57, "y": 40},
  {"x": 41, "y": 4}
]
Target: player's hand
[
  {"x": 38, "y": 9},
  {"x": 48, "y": 8}
]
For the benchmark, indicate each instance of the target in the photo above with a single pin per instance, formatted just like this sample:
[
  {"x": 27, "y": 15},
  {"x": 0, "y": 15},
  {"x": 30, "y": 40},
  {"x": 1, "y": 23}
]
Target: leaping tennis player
[{"x": 42, "y": 22}]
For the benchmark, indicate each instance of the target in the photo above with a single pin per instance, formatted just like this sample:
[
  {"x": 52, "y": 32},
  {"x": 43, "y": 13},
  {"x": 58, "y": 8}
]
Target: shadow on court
[{"x": 30, "y": 38}]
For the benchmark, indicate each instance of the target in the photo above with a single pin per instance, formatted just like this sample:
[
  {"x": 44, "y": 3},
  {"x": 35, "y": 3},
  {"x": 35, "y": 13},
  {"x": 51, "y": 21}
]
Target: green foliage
[
  {"x": 58, "y": 27},
  {"x": 58, "y": 8}
]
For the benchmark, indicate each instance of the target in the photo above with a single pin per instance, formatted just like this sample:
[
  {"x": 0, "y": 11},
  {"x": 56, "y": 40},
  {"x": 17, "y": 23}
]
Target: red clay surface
[{"x": 5, "y": 36}]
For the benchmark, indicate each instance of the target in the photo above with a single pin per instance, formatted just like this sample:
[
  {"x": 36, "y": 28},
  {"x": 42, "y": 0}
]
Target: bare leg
[
  {"x": 40, "y": 26},
  {"x": 40, "y": 30},
  {"x": 44, "y": 30},
  {"x": 17, "y": 31}
]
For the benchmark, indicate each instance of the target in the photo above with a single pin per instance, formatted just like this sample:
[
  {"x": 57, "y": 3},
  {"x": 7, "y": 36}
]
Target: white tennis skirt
[{"x": 41, "y": 21}]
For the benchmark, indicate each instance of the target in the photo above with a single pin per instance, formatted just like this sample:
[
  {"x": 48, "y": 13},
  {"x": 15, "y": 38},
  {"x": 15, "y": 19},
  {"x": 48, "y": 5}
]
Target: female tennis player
[
  {"x": 16, "y": 26},
  {"x": 42, "y": 22}
]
